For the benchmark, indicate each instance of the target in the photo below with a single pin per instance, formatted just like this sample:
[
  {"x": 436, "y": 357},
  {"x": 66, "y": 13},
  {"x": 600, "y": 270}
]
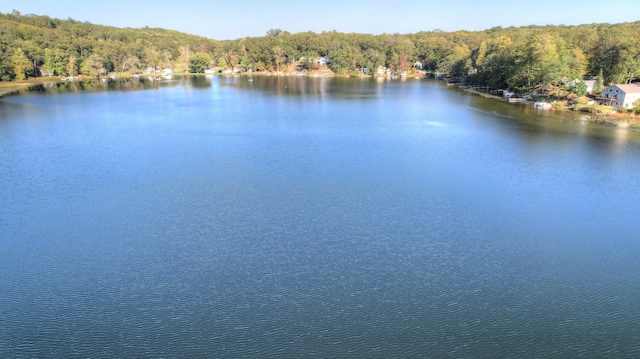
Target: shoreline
[
  {"x": 14, "y": 87},
  {"x": 616, "y": 119},
  {"x": 611, "y": 119},
  {"x": 11, "y": 88}
]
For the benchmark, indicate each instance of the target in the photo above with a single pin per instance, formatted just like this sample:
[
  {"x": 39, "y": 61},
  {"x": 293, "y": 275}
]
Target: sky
[{"x": 227, "y": 20}]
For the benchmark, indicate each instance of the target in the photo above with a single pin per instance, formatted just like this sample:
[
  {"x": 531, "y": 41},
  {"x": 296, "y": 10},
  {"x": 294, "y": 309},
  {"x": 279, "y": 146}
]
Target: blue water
[{"x": 295, "y": 217}]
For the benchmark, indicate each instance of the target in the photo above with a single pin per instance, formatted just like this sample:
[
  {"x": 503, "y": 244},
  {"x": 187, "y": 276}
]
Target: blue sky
[{"x": 229, "y": 19}]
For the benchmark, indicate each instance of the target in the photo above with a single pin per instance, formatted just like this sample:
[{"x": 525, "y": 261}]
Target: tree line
[{"x": 522, "y": 57}]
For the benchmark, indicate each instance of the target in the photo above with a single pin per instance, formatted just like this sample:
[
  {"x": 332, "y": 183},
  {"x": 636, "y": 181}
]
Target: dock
[{"x": 516, "y": 99}]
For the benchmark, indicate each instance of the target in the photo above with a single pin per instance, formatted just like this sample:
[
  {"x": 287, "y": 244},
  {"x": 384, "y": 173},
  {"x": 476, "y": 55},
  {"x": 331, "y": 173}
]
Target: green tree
[
  {"x": 577, "y": 63},
  {"x": 598, "y": 87},
  {"x": 222, "y": 62},
  {"x": 182, "y": 64},
  {"x": 258, "y": 52},
  {"x": 22, "y": 67},
  {"x": 55, "y": 61},
  {"x": 34, "y": 52},
  {"x": 456, "y": 60},
  {"x": 245, "y": 64},
  {"x": 344, "y": 57},
  {"x": 432, "y": 48},
  {"x": 372, "y": 58},
  {"x": 167, "y": 62},
  {"x": 541, "y": 59},
  {"x": 199, "y": 62},
  {"x": 630, "y": 66},
  {"x": 495, "y": 61},
  {"x": 93, "y": 66},
  {"x": 636, "y": 107},
  {"x": 401, "y": 51},
  {"x": 72, "y": 68},
  {"x": 151, "y": 57},
  {"x": 580, "y": 88},
  {"x": 129, "y": 63},
  {"x": 278, "y": 57},
  {"x": 617, "y": 53}
]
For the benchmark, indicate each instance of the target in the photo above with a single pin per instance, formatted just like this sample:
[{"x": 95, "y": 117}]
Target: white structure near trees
[{"x": 620, "y": 96}]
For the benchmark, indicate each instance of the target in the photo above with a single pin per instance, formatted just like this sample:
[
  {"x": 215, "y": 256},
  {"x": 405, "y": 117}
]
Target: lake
[{"x": 209, "y": 217}]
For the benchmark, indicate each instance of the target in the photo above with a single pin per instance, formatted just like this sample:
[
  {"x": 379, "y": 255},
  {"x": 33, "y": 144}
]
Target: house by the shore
[
  {"x": 323, "y": 61},
  {"x": 620, "y": 96},
  {"x": 590, "y": 84}
]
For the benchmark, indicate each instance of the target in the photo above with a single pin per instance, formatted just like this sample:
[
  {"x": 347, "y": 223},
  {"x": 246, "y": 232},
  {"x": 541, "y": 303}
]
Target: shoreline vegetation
[
  {"x": 549, "y": 64},
  {"x": 14, "y": 87},
  {"x": 597, "y": 114}
]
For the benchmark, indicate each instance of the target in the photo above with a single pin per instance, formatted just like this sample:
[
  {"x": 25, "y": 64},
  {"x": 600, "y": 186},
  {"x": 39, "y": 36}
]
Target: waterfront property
[{"x": 620, "y": 96}]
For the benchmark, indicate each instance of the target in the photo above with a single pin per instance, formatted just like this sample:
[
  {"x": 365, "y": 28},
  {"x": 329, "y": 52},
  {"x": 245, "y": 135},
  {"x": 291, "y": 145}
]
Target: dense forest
[{"x": 523, "y": 57}]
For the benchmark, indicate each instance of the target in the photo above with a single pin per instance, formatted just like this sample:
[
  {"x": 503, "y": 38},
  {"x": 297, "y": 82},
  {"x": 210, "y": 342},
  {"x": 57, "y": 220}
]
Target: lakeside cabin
[
  {"x": 323, "y": 61},
  {"x": 619, "y": 96}
]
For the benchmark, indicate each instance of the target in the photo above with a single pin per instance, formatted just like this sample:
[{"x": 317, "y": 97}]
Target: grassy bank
[
  {"x": 486, "y": 95},
  {"x": 12, "y": 87},
  {"x": 8, "y": 88}
]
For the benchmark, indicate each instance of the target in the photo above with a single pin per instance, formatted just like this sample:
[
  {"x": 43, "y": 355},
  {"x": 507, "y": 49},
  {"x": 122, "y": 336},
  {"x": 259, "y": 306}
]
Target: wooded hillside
[{"x": 32, "y": 45}]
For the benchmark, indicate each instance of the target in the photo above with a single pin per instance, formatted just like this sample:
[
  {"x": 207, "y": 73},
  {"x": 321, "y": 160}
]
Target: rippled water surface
[{"x": 295, "y": 217}]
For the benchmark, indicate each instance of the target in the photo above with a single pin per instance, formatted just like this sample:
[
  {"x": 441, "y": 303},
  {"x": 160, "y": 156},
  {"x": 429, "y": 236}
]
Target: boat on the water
[{"x": 542, "y": 105}]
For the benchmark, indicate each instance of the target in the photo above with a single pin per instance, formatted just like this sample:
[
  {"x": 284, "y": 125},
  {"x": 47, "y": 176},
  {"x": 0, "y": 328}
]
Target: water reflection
[
  {"x": 532, "y": 125},
  {"x": 539, "y": 127},
  {"x": 199, "y": 81},
  {"x": 621, "y": 138},
  {"x": 322, "y": 87},
  {"x": 98, "y": 85}
]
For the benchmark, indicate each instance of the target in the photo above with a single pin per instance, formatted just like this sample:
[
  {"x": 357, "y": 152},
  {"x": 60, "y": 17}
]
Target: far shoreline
[{"x": 12, "y": 88}]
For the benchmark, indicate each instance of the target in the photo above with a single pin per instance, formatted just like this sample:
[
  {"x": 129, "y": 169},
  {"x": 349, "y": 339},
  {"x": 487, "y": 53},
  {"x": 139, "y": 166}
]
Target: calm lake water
[{"x": 294, "y": 217}]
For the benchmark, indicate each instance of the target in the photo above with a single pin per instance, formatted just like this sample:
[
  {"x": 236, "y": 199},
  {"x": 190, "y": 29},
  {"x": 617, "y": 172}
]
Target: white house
[
  {"x": 508, "y": 94},
  {"x": 620, "y": 96},
  {"x": 231, "y": 70},
  {"x": 323, "y": 61},
  {"x": 590, "y": 84}
]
